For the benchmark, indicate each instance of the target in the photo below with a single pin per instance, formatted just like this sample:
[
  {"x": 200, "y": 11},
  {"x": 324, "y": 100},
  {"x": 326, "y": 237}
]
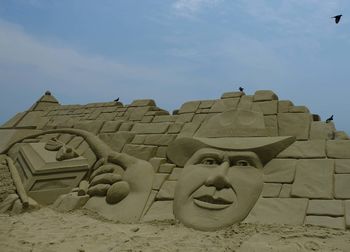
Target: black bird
[
  {"x": 329, "y": 119},
  {"x": 337, "y": 18},
  {"x": 241, "y": 89},
  {"x": 116, "y": 100}
]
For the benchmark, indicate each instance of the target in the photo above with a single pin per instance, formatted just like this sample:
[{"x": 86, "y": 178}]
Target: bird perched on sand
[
  {"x": 337, "y": 18},
  {"x": 329, "y": 119},
  {"x": 241, "y": 89},
  {"x": 116, "y": 100}
]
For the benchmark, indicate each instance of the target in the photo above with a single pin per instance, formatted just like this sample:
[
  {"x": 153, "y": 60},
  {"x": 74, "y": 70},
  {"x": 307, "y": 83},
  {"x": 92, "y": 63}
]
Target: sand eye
[
  {"x": 209, "y": 161},
  {"x": 242, "y": 162}
]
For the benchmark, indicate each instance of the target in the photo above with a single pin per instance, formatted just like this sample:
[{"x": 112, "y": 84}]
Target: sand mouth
[{"x": 209, "y": 202}]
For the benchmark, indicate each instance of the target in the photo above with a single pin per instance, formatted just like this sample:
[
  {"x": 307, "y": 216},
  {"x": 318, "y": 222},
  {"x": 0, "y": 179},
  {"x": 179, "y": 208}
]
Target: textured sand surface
[{"x": 48, "y": 230}]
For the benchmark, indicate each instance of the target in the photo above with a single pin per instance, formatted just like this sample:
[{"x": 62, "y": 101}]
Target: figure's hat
[{"x": 238, "y": 130}]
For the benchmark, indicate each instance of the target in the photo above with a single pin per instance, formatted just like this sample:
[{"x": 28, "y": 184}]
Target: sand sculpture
[
  {"x": 222, "y": 178},
  {"x": 212, "y": 163}
]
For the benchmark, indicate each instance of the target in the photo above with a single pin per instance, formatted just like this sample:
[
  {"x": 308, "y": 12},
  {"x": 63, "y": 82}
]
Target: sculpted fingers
[
  {"x": 105, "y": 178},
  {"x": 98, "y": 190},
  {"x": 107, "y": 168}
]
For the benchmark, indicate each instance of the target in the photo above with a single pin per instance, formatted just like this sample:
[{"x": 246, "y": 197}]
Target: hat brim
[{"x": 266, "y": 148}]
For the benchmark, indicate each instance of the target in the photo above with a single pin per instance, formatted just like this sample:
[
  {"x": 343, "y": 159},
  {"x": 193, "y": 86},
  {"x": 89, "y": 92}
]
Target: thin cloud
[
  {"x": 292, "y": 16},
  {"x": 18, "y": 47},
  {"x": 188, "y": 8}
]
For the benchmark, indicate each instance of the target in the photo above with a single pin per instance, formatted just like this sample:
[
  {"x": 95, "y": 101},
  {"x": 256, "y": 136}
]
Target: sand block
[
  {"x": 111, "y": 126},
  {"x": 325, "y": 221},
  {"x": 13, "y": 121},
  {"x": 233, "y": 123},
  {"x": 271, "y": 190},
  {"x": 156, "y": 162},
  {"x": 285, "y": 191},
  {"x": 271, "y": 125},
  {"x": 342, "y": 166},
  {"x": 139, "y": 139},
  {"x": 95, "y": 114},
  {"x": 159, "y": 139},
  {"x": 70, "y": 201},
  {"x": 175, "y": 174},
  {"x": 246, "y": 102},
  {"x": 164, "y": 118},
  {"x": 189, "y": 129},
  {"x": 159, "y": 211},
  {"x": 265, "y": 95},
  {"x": 31, "y": 119},
  {"x": 342, "y": 186},
  {"x": 322, "y": 130},
  {"x": 166, "y": 168},
  {"x": 116, "y": 141},
  {"x": 106, "y": 116},
  {"x": 294, "y": 124},
  {"x": 144, "y": 152},
  {"x": 183, "y": 118},
  {"x": 199, "y": 118},
  {"x": 278, "y": 211},
  {"x": 91, "y": 126},
  {"x": 175, "y": 128},
  {"x": 206, "y": 104},
  {"x": 126, "y": 126},
  {"x": 189, "y": 107},
  {"x": 267, "y": 107},
  {"x": 347, "y": 213},
  {"x": 338, "y": 148},
  {"x": 151, "y": 128},
  {"x": 158, "y": 180},
  {"x": 326, "y": 207},
  {"x": 284, "y": 105},
  {"x": 147, "y": 119},
  {"x": 298, "y": 109},
  {"x": 167, "y": 190},
  {"x": 232, "y": 95},
  {"x": 224, "y": 104},
  {"x": 280, "y": 170},
  {"x": 314, "y": 179},
  {"x": 161, "y": 152},
  {"x": 142, "y": 102},
  {"x": 138, "y": 113},
  {"x": 305, "y": 149}
]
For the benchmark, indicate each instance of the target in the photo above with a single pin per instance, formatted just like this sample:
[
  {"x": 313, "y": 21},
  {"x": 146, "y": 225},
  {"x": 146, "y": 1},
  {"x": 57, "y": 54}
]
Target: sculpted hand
[{"x": 107, "y": 180}]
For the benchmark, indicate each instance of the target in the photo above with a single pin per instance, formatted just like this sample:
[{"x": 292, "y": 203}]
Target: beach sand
[{"x": 48, "y": 230}]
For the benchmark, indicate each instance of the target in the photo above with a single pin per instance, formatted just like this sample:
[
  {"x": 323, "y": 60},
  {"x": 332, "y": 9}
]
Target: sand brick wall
[{"x": 305, "y": 184}]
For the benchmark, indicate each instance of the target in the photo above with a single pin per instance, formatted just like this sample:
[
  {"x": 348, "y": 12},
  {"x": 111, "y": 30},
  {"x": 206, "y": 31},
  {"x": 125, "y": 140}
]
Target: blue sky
[{"x": 174, "y": 51}]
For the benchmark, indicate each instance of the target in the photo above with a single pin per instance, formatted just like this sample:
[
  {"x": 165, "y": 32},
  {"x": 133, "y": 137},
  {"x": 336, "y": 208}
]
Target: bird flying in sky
[{"x": 337, "y": 18}]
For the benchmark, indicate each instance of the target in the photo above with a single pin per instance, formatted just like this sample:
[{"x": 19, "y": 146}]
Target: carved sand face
[{"x": 217, "y": 188}]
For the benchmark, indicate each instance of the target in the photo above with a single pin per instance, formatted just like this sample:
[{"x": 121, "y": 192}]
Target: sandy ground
[{"x": 48, "y": 230}]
